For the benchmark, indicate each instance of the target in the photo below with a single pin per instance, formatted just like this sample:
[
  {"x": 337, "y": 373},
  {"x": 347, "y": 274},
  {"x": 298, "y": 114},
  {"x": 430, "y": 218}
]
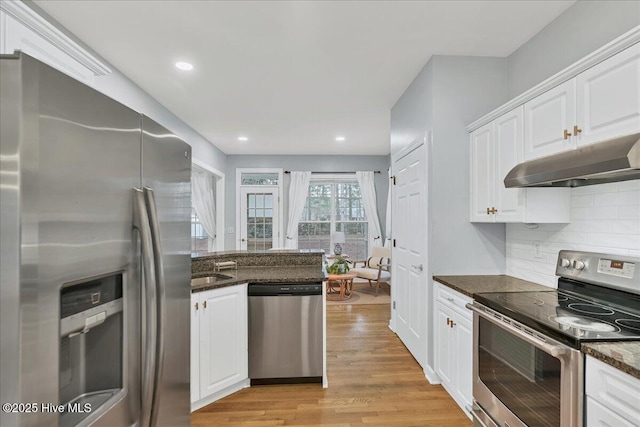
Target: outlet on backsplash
[{"x": 537, "y": 250}]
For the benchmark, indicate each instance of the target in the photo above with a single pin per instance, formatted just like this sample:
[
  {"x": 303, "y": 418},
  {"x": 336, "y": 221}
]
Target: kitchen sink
[{"x": 210, "y": 279}]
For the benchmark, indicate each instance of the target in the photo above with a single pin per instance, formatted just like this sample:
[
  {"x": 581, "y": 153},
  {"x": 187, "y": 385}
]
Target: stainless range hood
[{"x": 614, "y": 160}]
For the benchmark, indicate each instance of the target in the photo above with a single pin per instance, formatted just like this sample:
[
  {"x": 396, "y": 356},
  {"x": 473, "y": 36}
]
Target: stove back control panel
[{"x": 616, "y": 271}]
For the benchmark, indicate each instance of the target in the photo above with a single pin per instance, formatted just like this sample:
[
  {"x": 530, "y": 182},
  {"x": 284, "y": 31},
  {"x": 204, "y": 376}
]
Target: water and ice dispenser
[{"x": 91, "y": 346}]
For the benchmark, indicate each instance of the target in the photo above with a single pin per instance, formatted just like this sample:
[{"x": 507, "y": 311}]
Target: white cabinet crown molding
[
  {"x": 32, "y": 20},
  {"x": 617, "y": 45}
]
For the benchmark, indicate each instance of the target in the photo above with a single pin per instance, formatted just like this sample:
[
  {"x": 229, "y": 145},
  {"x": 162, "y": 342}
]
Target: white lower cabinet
[
  {"x": 219, "y": 344},
  {"x": 454, "y": 345},
  {"x": 612, "y": 396}
]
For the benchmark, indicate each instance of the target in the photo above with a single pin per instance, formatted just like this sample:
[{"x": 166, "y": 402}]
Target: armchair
[{"x": 376, "y": 268}]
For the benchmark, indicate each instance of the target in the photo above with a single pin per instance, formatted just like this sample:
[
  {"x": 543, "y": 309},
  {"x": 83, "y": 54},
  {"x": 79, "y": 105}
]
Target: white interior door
[
  {"x": 259, "y": 218},
  {"x": 410, "y": 252}
]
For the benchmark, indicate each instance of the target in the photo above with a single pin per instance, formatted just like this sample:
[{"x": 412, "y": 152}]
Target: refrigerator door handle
[
  {"x": 154, "y": 224},
  {"x": 149, "y": 325}
]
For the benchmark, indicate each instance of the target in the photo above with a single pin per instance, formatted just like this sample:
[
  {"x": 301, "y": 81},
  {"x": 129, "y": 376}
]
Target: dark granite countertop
[
  {"x": 471, "y": 285},
  {"x": 621, "y": 355},
  {"x": 270, "y": 274}
]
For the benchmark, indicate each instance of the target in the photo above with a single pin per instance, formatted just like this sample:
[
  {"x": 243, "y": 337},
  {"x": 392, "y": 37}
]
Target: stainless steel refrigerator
[{"x": 95, "y": 257}]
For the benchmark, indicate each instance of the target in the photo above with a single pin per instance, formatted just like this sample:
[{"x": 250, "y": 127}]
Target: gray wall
[
  {"x": 302, "y": 163},
  {"x": 449, "y": 93},
  {"x": 578, "y": 31},
  {"x": 119, "y": 87},
  {"x": 465, "y": 88}
]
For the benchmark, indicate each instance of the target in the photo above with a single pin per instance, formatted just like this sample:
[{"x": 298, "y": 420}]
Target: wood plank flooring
[{"x": 373, "y": 381}]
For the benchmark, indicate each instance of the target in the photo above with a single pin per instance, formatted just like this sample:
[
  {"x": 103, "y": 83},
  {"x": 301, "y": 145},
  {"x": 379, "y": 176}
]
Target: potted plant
[{"x": 339, "y": 266}]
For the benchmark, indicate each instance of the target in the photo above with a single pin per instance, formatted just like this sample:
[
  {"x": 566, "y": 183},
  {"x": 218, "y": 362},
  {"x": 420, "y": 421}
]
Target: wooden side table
[{"x": 340, "y": 286}]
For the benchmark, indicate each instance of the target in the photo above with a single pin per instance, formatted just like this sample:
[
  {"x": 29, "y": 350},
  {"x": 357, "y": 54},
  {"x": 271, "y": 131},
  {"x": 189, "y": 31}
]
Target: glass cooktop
[{"x": 566, "y": 316}]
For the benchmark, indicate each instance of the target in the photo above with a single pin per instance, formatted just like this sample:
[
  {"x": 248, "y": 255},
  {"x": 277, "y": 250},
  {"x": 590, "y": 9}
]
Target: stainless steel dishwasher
[{"x": 285, "y": 332}]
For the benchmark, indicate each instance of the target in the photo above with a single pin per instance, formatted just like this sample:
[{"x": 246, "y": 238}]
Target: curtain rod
[{"x": 331, "y": 172}]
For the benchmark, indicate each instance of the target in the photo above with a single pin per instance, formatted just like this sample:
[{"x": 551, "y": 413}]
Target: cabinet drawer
[
  {"x": 453, "y": 299},
  {"x": 600, "y": 416},
  {"x": 616, "y": 390}
]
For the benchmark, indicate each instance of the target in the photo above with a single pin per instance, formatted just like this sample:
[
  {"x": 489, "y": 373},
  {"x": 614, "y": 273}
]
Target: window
[
  {"x": 199, "y": 237},
  {"x": 248, "y": 178},
  {"x": 334, "y": 205}
]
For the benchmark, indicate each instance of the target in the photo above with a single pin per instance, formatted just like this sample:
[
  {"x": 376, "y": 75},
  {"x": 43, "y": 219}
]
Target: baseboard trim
[{"x": 431, "y": 375}]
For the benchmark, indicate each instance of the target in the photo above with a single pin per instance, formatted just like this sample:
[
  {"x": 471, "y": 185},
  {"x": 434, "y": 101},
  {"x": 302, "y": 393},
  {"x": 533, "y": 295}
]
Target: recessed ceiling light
[
  {"x": 243, "y": 138},
  {"x": 184, "y": 66},
  {"x": 340, "y": 138}
]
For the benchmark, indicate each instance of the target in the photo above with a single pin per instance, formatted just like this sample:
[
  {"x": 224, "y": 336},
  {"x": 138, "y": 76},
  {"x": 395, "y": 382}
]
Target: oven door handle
[{"x": 556, "y": 350}]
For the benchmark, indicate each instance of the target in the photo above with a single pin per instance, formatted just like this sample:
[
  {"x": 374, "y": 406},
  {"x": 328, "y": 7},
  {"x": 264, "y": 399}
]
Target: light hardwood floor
[{"x": 373, "y": 381}]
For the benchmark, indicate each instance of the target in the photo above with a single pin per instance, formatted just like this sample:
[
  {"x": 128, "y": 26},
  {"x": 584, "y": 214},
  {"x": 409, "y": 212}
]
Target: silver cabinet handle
[
  {"x": 449, "y": 299},
  {"x": 154, "y": 225},
  {"x": 149, "y": 308},
  {"x": 417, "y": 267}
]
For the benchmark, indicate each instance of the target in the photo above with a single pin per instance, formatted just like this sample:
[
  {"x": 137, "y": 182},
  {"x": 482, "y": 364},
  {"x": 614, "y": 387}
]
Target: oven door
[{"x": 522, "y": 378}]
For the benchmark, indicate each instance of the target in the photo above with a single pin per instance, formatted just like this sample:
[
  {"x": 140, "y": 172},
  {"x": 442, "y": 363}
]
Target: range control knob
[
  {"x": 565, "y": 262},
  {"x": 578, "y": 265}
]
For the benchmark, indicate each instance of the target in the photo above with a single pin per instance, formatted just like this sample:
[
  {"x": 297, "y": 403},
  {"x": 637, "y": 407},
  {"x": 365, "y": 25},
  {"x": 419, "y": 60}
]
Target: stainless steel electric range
[{"x": 527, "y": 367}]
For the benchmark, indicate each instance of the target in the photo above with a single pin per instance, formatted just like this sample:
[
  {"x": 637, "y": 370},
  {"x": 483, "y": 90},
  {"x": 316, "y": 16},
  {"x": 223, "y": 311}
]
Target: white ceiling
[{"x": 293, "y": 75}]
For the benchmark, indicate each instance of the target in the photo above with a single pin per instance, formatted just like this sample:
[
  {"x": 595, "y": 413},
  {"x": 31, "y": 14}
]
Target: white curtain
[
  {"x": 204, "y": 203},
  {"x": 368, "y": 190},
  {"x": 387, "y": 227},
  {"x": 298, "y": 191}
]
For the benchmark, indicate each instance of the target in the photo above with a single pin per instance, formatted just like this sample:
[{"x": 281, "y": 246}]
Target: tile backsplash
[{"x": 604, "y": 218}]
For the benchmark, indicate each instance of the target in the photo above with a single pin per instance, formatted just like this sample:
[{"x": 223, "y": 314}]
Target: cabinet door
[
  {"x": 545, "y": 119},
  {"x": 608, "y": 98},
  {"x": 195, "y": 346},
  {"x": 509, "y": 151},
  {"x": 444, "y": 339},
  {"x": 482, "y": 174},
  {"x": 223, "y": 339},
  {"x": 464, "y": 360}
]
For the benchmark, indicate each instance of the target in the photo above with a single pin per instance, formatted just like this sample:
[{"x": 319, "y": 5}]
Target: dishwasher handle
[{"x": 284, "y": 289}]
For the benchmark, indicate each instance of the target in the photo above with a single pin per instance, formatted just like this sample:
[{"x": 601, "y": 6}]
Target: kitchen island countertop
[
  {"x": 476, "y": 284},
  {"x": 270, "y": 274}
]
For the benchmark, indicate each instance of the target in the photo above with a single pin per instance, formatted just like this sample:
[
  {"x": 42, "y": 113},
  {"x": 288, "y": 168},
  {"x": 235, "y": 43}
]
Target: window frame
[{"x": 334, "y": 179}]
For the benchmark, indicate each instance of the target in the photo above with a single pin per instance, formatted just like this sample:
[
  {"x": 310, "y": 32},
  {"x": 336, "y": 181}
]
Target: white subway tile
[
  {"x": 604, "y": 218},
  {"x": 603, "y": 212},
  {"x": 629, "y": 212},
  {"x": 590, "y": 226},
  {"x": 580, "y": 213},
  {"x": 595, "y": 189},
  {"x": 582, "y": 201},
  {"x": 625, "y": 227},
  {"x": 615, "y": 241},
  {"x": 626, "y": 198},
  {"x": 568, "y": 237},
  {"x": 629, "y": 185}
]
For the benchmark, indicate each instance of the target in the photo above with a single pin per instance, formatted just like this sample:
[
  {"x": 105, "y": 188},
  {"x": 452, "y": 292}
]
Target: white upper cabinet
[
  {"x": 495, "y": 149},
  {"x": 482, "y": 173},
  {"x": 598, "y": 104},
  {"x": 547, "y": 120},
  {"x": 608, "y": 98},
  {"x": 509, "y": 151}
]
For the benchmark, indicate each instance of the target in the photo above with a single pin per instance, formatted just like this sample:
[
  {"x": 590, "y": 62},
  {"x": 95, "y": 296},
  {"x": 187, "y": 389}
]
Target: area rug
[{"x": 365, "y": 294}]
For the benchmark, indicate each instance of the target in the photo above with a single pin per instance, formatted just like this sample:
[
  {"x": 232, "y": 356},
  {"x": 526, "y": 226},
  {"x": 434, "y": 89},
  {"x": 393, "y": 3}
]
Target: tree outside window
[{"x": 334, "y": 206}]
